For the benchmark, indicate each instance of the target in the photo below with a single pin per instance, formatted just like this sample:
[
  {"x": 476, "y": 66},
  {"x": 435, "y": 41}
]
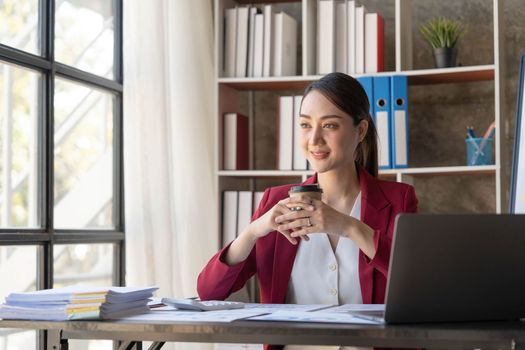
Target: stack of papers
[
  {"x": 77, "y": 303},
  {"x": 348, "y": 314}
]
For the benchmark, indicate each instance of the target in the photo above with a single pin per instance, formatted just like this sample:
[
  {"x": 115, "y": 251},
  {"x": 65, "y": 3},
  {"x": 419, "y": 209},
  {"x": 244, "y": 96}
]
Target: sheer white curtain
[{"x": 170, "y": 202}]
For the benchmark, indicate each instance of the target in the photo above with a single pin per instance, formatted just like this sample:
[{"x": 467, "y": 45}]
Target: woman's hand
[
  {"x": 243, "y": 244},
  {"x": 267, "y": 223},
  {"x": 322, "y": 218}
]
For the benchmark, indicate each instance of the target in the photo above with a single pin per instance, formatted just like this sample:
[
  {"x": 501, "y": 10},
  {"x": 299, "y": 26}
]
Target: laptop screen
[{"x": 517, "y": 196}]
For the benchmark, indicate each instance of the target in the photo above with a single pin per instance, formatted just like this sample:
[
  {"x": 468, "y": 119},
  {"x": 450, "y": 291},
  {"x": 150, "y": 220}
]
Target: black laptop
[{"x": 448, "y": 268}]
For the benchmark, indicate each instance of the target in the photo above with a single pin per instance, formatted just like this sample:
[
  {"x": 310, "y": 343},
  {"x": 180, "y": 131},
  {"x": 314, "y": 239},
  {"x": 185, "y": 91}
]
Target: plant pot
[{"x": 445, "y": 56}]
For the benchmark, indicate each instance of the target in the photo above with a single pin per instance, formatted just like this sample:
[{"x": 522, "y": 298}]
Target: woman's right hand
[
  {"x": 244, "y": 243},
  {"x": 266, "y": 223}
]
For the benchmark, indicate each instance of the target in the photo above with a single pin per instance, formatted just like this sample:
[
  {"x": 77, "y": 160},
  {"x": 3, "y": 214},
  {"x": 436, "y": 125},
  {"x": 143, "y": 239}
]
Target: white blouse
[{"x": 320, "y": 276}]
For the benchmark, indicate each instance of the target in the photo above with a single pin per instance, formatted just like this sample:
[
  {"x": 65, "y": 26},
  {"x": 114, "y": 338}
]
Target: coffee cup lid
[{"x": 306, "y": 188}]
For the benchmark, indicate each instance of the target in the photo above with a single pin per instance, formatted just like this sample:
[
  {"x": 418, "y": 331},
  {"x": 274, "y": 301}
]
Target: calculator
[{"x": 197, "y": 305}]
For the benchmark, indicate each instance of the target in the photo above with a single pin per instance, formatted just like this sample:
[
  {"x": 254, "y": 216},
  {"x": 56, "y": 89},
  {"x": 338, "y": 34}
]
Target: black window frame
[{"x": 46, "y": 236}]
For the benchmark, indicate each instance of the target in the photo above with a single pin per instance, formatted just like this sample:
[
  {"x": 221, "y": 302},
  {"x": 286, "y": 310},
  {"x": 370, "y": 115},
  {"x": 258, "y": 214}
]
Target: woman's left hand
[{"x": 322, "y": 218}]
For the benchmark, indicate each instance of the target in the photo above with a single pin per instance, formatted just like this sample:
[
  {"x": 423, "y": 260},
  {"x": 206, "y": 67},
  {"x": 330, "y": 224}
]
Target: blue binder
[
  {"x": 368, "y": 85},
  {"x": 399, "y": 121},
  {"x": 382, "y": 119}
]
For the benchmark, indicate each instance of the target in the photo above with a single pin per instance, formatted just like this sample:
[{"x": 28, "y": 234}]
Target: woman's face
[{"x": 328, "y": 135}]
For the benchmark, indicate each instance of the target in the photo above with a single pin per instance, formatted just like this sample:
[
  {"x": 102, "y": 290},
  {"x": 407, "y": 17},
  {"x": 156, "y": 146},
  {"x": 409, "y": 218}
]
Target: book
[
  {"x": 251, "y": 40},
  {"x": 341, "y": 40},
  {"x": 325, "y": 37},
  {"x": 258, "y": 46},
  {"x": 285, "y": 127},
  {"x": 241, "y": 50},
  {"x": 350, "y": 36},
  {"x": 285, "y": 45},
  {"x": 235, "y": 142},
  {"x": 360, "y": 12},
  {"x": 268, "y": 40},
  {"x": 229, "y": 216},
  {"x": 245, "y": 210},
  {"x": 230, "y": 41},
  {"x": 299, "y": 159},
  {"x": 374, "y": 43}
]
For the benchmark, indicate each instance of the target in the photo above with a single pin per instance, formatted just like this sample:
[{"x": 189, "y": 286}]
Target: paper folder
[
  {"x": 399, "y": 121},
  {"x": 381, "y": 88}
]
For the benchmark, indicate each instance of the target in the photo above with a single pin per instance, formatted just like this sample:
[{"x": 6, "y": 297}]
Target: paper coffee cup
[{"x": 312, "y": 191}]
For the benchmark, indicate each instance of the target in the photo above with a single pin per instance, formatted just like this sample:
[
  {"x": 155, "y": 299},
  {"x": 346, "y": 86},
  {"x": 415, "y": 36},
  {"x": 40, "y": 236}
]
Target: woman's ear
[{"x": 362, "y": 129}]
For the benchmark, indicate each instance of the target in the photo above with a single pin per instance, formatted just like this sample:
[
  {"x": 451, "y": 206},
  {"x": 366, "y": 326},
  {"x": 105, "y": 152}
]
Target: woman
[{"x": 335, "y": 250}]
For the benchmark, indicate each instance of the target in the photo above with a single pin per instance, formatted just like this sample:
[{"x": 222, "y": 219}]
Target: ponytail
[{"x": 366, "y": 151}]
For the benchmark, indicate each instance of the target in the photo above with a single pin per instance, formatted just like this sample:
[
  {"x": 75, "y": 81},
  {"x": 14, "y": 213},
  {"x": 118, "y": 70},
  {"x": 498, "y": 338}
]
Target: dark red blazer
[{"x": 273, "y": 256}]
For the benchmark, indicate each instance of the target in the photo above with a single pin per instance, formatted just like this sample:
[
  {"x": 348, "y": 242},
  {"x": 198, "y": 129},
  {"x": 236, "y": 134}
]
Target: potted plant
[{"x": 443, "y": 35}]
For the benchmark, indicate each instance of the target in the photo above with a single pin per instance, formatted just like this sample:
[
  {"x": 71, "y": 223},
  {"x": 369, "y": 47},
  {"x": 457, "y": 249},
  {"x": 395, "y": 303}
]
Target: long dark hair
[{"x": 350, "y": 97}]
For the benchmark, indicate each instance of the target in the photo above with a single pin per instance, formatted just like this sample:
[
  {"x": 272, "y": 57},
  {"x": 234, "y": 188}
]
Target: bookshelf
[{"x": 257, "y": 97}]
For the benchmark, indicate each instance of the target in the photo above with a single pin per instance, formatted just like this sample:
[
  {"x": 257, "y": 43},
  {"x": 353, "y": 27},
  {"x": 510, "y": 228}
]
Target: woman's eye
[
  {"x": 304, "y": 125},
  {"x": 330, "y": 126}
]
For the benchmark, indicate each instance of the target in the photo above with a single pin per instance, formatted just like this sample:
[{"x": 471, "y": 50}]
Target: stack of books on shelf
[
  {"x": 77, "y": 303},
  {"x": 237, "y": 210},
  {"x": 289, "y": 153},
  {"x": 259, "y": 43},
  {"x": 348, "y": 38},
  {"x": 389, "y": 110}
]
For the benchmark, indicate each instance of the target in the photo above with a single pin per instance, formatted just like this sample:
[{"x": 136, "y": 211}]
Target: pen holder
[{"x": 479, "y": 152}]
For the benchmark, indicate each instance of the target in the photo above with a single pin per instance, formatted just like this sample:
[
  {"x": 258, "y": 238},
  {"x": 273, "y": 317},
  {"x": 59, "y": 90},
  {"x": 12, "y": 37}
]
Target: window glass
[
  {"x": 83, "y": 156},
  {"x": 19, "y": 107},
  {"x": 19, "y": 24},
  {"x": 84, "y": 35}
]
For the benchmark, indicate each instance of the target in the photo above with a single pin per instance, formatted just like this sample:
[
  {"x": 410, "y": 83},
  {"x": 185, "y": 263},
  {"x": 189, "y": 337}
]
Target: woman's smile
[{"x": 319, "y": 155}]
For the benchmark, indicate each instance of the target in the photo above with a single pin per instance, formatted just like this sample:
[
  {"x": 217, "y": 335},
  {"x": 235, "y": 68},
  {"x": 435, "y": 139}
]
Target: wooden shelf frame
[{"x": 415, "y": 77}]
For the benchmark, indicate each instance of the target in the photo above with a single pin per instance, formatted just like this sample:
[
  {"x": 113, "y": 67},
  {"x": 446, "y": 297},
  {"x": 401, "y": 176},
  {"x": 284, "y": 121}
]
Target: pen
[{"x": 470, "y": 132}]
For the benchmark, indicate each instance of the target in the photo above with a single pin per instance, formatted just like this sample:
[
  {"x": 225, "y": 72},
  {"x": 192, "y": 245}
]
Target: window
[{"x": 61, "y": 180}]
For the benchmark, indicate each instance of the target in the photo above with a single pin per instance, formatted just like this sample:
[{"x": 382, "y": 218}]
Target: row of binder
[
  {"x": 388, "y": 96},
  {"x": 349, "y": 39},
  {"x": 237, "y": 210},
  {"x": 259, "y": 43}
]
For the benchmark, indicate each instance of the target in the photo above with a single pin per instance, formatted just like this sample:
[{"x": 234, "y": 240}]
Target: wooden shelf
[
  {"x": 450, "y": 75},
  {"x": 249, "y": 2},
  {"x": 426, "y": 171},
  {"x": 443, "y": 171},
  {"x": 415, "y": 77},
  {"x": 269, "y": 83},
  {"x": 265, "y": 173}
]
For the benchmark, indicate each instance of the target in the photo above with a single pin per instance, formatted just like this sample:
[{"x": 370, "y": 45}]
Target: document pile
[{"x": 77, "y": 303}]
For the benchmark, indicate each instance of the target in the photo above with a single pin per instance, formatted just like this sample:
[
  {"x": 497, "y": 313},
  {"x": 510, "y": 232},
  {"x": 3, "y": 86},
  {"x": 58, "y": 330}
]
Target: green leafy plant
[{"x": 442, "y": 32}]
